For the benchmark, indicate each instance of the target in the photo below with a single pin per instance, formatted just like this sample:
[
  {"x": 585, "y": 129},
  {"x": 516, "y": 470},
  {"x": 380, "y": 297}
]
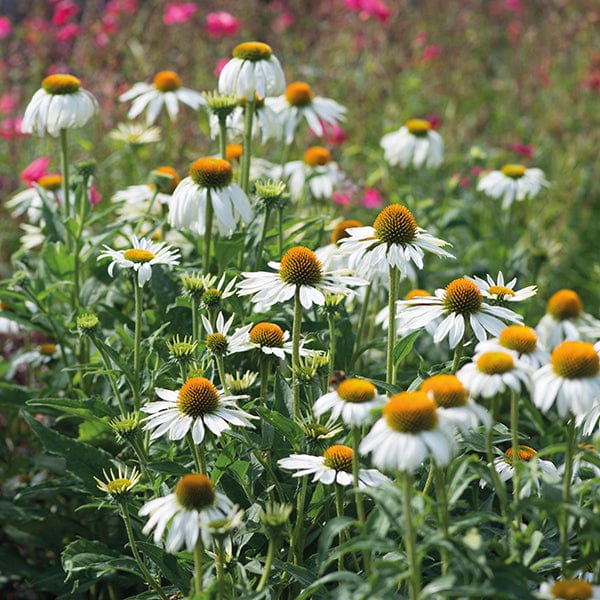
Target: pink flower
[
  {"x": 219, "y": 66},
  {"x": 5, "y": 27},
  {"x": 333, "y": 135},
  {"x": 284, "y": 21},
  {"x": 435, "y": 120},
  {"x": 341, "y": 198},
  {"x": 34, "y": 170},
  {"x": 372, "y": 199},
  {"x": 178, "y": 12},
  {"x": 476, "y": 171},
  {"x": 221, "y": 24},
  {"x": 64, "y": 11},
  {"x": 513, "y": 6},
  {"x": 369, "y": 8},
  {"x": 95, "y": 196},
  {"x": 525, "y": 150},
  {"x": 431, "y": 52},
  {"x": 420, "y": 39},
  {"x": 68, "y": 31},
  {"x": 8, "y": 102}
]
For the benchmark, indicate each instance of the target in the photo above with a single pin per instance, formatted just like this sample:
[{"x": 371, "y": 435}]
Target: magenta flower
[
  {"x": 431, "y": 52},
  {"x": 221, "y": 24},
  {"x": 372, "y": 199},
  {"x": 67, "y": 32},
  {"x": 369, "y": 8},
  {"x": 525, "y": 150},
  {"x": 11, "y": 128},
  {"x": 178, "y": 12},
  {"x": 341, "y": 198},
  {"x": 34, "y": 170},
  {"x": 8, "y": 102},
  {"x": 64, "y": 11},
  {"x": 5, "y": 27}
]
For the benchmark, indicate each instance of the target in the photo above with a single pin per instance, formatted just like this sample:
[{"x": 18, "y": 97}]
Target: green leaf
[
  {"x": 91, "y": 409},
  {"x": 283, "y": 395},
  {"x": 60, "y": 262},
  {"x": 404, "y": 347},
  {"x": 14, "y": 395},
  {"x": 81, "y": 460},
  {"x": 286, "y": 427},
  {"x": 171, "y": 568}
]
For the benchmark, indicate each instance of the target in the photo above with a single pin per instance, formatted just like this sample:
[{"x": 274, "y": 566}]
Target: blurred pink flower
[
  {"x": 592, "y": 81},
  {"x": 95, "y": 196},
  {"x": 178, "y": 12},
  {"x": 8, "y": 102},
  {"x": 333, "y": 135},
  {"x": 435, "y": 120},
  {"x": 372, "y": 199},
  {"x": 34, "y": 170},
  {"x": 420, "y": 39},
  {"x": 525, "y": 150},
  {"x": 476, "y": 171},
  {"x": 5, "y": 27},
  {"x": 513, "y": 6},
  {"x": 67, "y": 32},
  {"x": 219, "y": 66},
  {"x": 284, "y": 21},
  {"x": 341, "y": 198},
  {"x": 221, "y": 24},
  {"x": 369, "y": 8},
  {"x": 431, "y": 52},
  {"x": 64, "y": 11}
]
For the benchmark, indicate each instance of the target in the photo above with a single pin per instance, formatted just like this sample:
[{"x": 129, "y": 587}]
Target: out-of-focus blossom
[
  {"x": 95, "y": 196},
  {"x": 372, "y": 199},
  {"x": 178, "y": 12},
  {"x": 369, "y": 8},
  {"x": 283, "y": 21},
  {"x": 64, "y": 11},
  {"x": 5, "y": 27},
  {"x": 9, "y": 102},
  {"x": 35, "y": 169},
  {"x": 525, "y": 150},
  {"x": 432, "y": 51},
  {"x": 11, "y": 128},
  {"x": 69, "y": 31},
  {"x": 341, "y": 198},
  {"x": 513, "y": 6},
  {"x": 221, "y": 24}
]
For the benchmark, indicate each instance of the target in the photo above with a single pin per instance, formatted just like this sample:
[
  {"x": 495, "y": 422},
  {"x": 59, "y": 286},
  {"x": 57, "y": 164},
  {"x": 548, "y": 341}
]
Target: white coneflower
[
  {"x": 166, "y": 90},
  {"x": 61, "y": 103},
  {"x": 334, "y": 466},
  {"x": 415, "y": 142},
  {"x": 197, "y": 406},
  {"x": 190, "y": 508},
  {"x": 393, "y": 240},
  {"x": 571, "y": 381},
  {"x": 299, "y": 102},
  {"x": 118, "y": 484},
  {"x": 499, "y": 292},
  {"x": 143, "y": 255},
  {"x": 410, "y": 429},
  {"x": 512, "y": 182},
  {"x": 568, "y": 589},
  {"x": 219, "y": 342},
  {"x": 254, "y": 69},
  {"x": 270, "y": 339},
  {"x": 299, "y": 270},
  {"x": 459, "y": 303}
]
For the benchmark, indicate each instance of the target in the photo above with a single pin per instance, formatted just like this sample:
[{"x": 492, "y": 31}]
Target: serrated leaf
[{"x": 286, "y": 427}]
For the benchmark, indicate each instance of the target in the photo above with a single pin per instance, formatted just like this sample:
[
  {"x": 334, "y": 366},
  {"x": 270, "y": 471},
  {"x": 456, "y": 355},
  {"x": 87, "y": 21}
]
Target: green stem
[
  {"x": 514, "y": 430},
  {"x": 64, "y": 167},
  {"x": 280, "y": 231},
  {"x": 360, "y": 509},
  {"x": 296, "y": 327},
  {"x": 331, "y": 322},
  {"x": 265, "y": 370},
  {"x": 198, "y": 567},
  {"x": 566, "y": 496},
  {"x": 390, "y": 375},
  {"x": 339, "y": 511},
  {"x": 263, "y": 236},
  {"x": 221, "y": 370},
  {"x": 410, "y": 536},
  {"x": 223, "y": 137},
  {"x": 458, "y": 352},
  {"x": 489, "y": 446},
  {"x": 137, "y": 342},
  {"x": 196, "y": 325},
  {"x": 247, "y": 146},
  {"x": 265, "y": 463},
  {"x": 198, "y": 454},
  {"x": 297, "y": 533},
  {"x": 361, "y": 325},
  {"x": 442, "y": 506},
  {"x": 220, "y": 570},
  {"x": 208, "y": 220},
  {"x": 111, "y": 378},
  {"x": 136, "y": 555},
  {"x": 268, "y": 564}
]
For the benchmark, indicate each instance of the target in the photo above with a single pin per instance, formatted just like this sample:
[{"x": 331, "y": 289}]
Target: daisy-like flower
[
  {"x": 44, "y": 354},
  {"x": 135, "y": 134},
  {"x": 453, "y": 399},
  {"x": 490, "y": 373},
  {"x": 460, "y": 303},
  {"x": 61, "y": 103},
  {"x": 335, "y": 466},
  {"x": 353, "y": 401},
  {"x": 166, "y": 90},
  {"x": 569, "y": 589},
  {"x": 410, "y": 429},
  {"x": 520, "y": 340},
  {"x": 571, "y": 380},
  {"x": 218, "y": 340},
  {"x": 7, "y": 325},
  {"x": 191, "y": 507},
  {"x": 254, "y": 69},
  {"x": 331, "y": 256},
  {"x": 270, "y": 339},
  {"x": 198, "y": 405},
  {"x": 565, "y": 319},
  {"x": 500, "y": 293},
  {"x": 415, "y": 142},
  {"x": 317, "y": 171},
  {"x": 265, "y": 124},
  {"x": 120, "y": 484},
  {"x": 300, "y": 270},
  {"x": 143, "y": 255},
  {"x": 210, "y": 180},
  {"x": 536, "y": 467},
  {"x": 240, "y": 383},
  {"x": 512, "y": 182},
  {"x": 299, "y": 101},
  {"x": 393, "y": 240}
]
